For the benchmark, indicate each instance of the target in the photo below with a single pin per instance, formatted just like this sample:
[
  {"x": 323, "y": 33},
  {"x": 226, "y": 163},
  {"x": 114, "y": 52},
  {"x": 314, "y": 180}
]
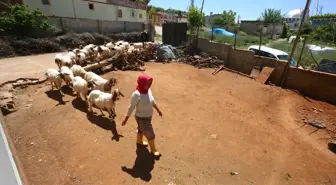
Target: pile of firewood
[{"x": 202, "y": 61}]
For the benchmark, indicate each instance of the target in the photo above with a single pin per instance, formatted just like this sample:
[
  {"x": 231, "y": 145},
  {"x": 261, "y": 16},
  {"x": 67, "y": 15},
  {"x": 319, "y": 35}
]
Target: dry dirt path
[
  {"x": 259, "y": 134},
  {"x": 25, "y": 67}
]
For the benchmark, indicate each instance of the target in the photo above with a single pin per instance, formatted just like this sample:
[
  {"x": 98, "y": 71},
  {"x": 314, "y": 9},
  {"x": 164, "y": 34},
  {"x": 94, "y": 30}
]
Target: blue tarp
[{"x": 221, "y": 31}]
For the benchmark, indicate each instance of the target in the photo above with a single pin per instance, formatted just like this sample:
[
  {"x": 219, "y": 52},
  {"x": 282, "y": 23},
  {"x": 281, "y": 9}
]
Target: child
[{"x": 143, "y": 100}]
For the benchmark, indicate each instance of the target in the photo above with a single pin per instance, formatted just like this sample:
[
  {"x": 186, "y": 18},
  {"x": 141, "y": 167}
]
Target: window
[
  {"x": 119, "y": 13},
  {"x": 91, "y": 6},
  {"x": 140, "y": 15},
  {"x": 133, "y": 13},
  {"x": 45, "y": 2}
]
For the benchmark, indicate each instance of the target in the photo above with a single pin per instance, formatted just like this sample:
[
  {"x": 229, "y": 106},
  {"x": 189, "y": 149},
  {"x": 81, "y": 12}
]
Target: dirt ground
[{"x": 211, "y": 126}]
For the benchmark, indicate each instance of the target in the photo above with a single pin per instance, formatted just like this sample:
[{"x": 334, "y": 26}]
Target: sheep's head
[
  {"x": 116, "y": 93},
  {"x": 100, "y": 49},
  {"x": 91, "y": 85},
  {"x": 113, "y": 82}
]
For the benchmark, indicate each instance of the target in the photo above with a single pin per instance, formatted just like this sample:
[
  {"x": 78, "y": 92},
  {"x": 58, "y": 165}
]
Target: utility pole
[{"x": 297, "y": 39}]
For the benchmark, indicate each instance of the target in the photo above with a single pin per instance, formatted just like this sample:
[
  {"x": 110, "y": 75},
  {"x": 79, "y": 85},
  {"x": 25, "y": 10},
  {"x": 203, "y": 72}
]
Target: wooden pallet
[{"x": 265, "y": 74}]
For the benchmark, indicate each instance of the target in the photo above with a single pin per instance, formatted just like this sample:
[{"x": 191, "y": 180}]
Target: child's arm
[
  {"x": 134, "y": 101},
  {"x": 157, "y": 109},
  {"x": 153, "y": 102}
]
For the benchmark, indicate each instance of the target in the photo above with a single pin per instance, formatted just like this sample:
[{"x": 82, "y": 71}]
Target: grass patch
[
  {"x": 243, "y": 40},
  {"x": 307, "y": 60}
]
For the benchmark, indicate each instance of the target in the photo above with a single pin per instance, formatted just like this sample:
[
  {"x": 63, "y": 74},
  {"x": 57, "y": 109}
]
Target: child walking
[{"x": 143, "y": 101}]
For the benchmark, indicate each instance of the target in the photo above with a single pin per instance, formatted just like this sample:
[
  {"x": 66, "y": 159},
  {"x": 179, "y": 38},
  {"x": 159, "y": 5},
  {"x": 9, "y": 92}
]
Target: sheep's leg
[
  {"x": 102, "y": 112},
  {"x": 52, "y": 85},
  {"x": 90, "y": 106},
  {"x": 78, "y": 94}
]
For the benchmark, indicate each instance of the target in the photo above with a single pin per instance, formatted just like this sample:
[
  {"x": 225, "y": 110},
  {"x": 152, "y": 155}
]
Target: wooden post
[
  {"x": 260, "y": 40},
  {"x": 295, "y": 42},
  {"x": 212, "y": 29},
  {"x": 234, "y": 46},
  {"x": 303, "y": 47}
]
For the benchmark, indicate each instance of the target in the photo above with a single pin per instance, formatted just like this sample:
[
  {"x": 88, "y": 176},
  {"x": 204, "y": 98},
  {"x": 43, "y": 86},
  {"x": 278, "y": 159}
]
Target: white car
[{"x": 272, "y": 53}]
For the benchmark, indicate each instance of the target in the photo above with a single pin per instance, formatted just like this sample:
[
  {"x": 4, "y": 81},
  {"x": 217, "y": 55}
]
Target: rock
[
  {"x": 315, "y": 111},
  {"x": 317, "y": 124},
  {"x": 171, "y": 183},
  {"x": 214, "y": 136},
  {"x": 30, "y": 100},
  {"x": 320, "y": 110},
  {"x": 234, "y": 173}
]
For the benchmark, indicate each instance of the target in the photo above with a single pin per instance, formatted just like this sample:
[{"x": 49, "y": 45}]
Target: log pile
[{"x": 203, "y": 60}]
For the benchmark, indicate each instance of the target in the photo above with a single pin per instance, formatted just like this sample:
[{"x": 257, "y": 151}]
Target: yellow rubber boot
[
  {"x": 153, "y": 149},
  {"x": 140, "y": 140}
]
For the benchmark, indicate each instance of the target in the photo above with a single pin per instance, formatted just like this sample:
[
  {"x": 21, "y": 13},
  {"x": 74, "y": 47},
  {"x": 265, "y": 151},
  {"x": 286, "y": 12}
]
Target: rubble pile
[{"x": 203, "y": 60}]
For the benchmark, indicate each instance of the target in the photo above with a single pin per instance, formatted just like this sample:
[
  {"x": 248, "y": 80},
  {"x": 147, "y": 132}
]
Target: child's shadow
[{"x": 143, "y": 165}]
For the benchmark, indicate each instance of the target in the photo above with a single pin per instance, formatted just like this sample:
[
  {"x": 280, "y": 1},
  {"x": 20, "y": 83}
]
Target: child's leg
[
  {"x": 140, "y": 134},
  {"x": 147, "y": 130}
]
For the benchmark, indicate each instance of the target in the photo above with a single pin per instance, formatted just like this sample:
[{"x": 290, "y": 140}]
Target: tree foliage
[
  {"x": 324, "y": 16},
  {"x": 285, "y": 31},
  {"x": 20, "y": 20},
  {"x": 227, "y": 18},
  {"x": 195, "y": 17},
  {"x": 325, "y": 33},
  {"x": 272, "y": 16}
]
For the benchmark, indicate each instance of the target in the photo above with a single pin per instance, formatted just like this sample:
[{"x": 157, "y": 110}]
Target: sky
[{"x": 247, "y": 9}]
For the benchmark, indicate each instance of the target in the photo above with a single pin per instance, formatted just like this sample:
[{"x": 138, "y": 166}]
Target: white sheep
[
  {"x": 126, "y": 44},
  {"x": 81, "y": 58},
  {"x": 104, "y": 101},
  {"x": 99, "y": 82},
  {"x": 63, "y": 60},
  {"x": 72, "y": 55},
  {"x": 78, "y": 70},
  {"x": 138, "y": 45},
  {"x": 110, "y": 45},
  {"x": 55, "y": 78},
  {"x": 67, "y": 73},
  {"x": 81, "y": 87},
  {"x": 89, "y": 46}
]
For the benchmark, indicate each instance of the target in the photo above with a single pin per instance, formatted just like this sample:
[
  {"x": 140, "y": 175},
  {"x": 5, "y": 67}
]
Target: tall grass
[
  {"x": 307, "y": 60},
  {"x": 243, "y": 40}
]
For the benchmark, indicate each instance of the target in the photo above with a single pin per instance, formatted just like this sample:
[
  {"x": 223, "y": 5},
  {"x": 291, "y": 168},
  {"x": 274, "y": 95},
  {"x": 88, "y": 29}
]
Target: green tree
[
  {"x": 271, "y": 17},
  {"x": 195, "y": 17},
  {"x": 227, "y": 18},
  {"x": 20, "y": 20},
  {"x": 285, "y": 30}
]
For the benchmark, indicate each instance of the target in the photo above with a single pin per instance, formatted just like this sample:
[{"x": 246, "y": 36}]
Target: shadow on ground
[
  {"x": 56, "y": 95},
  {"x": 105, "y": 123},
  {"x": 143, "y": 165},
  {"x": 332, "y": 147}
]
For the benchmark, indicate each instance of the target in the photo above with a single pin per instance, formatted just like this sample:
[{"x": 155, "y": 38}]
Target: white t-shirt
[{"x": 143, "y": 104}]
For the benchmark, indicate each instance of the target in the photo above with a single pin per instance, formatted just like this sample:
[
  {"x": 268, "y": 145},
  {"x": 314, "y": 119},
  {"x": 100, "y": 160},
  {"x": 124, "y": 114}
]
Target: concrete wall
[
  {"x": 101, "y": 9},
  {"x": 318, "y": 85},
  {"x": 215, "y": 48},
  {"x": 87, "y": 25}
]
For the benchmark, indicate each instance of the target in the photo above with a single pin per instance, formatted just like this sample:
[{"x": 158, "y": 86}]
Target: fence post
[
  {"x": 234, "y": 45},
  {"x": 212, "y": 29},
  {"x": 125, "y": 26}
]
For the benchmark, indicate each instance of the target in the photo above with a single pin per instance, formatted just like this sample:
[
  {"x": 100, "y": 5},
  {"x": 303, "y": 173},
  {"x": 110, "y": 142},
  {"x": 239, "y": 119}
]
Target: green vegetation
[
  {"x": 325, "y": 33},
  {"x": 306, "y": 60},
  {"x": 271, "y": 17},
  {"x": 153, "y": 9},
  {"x": 227, "y": 18},
  {"x": 20, "y": 20},
  {"x": 324, "y": 16},
  {"x": 195, "y": 17},
  {"x": 243, "y": 40}
]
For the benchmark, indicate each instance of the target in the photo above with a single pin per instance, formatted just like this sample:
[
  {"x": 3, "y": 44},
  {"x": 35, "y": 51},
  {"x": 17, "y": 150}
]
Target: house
[
  {"x": 293, "y": 18},
  {"x": 182, "y": 19},
  {"x": 168, "y": 17},
  {"x": 156, "y": 19},
  {"x": 210, "y": 18},
  {"x": 104, "y": 10},
  {"x": 253, "y": 26}
]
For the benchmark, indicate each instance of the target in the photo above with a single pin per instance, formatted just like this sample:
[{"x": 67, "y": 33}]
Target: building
[
  {"x": 105, "y": 10},
  {"x": 182, "y": 19},
  {"x": 253, "y": 27},
  {"x": 293, "y": 18},
  {"x": 168, "y": 17},
  {"x": 156, "y": 19},
  {"x": 210, "y": 18}
]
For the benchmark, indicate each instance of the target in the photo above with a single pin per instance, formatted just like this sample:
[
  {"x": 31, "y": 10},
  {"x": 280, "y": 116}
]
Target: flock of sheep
[{"x": 71, "y": 71}]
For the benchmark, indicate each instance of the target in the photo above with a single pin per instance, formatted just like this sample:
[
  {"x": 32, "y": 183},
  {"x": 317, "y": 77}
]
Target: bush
[
  {"x": 20, "y": 20},
  {"x": 241, "y": 33}
]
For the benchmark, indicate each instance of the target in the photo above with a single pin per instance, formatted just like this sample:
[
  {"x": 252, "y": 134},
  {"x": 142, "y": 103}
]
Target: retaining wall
[{"x": 318, "y": 85}]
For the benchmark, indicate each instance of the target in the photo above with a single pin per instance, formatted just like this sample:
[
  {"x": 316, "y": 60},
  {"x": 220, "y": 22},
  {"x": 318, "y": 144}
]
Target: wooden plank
[
  {"x": 218, "y": 69},
  {"x": 265, "y": 74},
  {"x": 255, "y": 71}
]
